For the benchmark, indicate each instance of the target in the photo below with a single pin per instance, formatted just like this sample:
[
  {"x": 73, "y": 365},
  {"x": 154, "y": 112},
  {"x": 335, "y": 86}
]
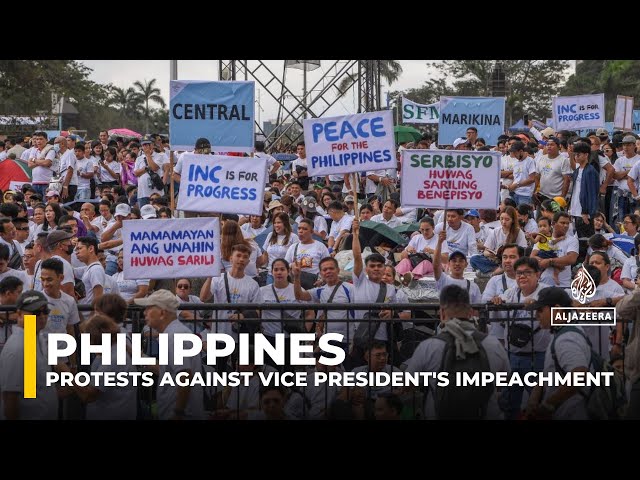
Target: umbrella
[
  {"x": 13, "y": 171},
  {"x": 623, "y": 242},
  {"x": 404, "y": 133},
  {"x": 285, "y": 157},
  {"x": 259, "y": 239},
  {"x": 407, "y": 228},
  {"x": 124, "y": 132},
  {"x": 373, "y": 234}
]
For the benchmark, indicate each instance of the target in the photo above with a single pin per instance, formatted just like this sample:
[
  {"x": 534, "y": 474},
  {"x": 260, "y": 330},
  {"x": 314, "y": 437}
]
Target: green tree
[
  {"x": 149, "y": 93},
  {"x": 126, "y": 101},
  {"x": 390, "y": 70}
]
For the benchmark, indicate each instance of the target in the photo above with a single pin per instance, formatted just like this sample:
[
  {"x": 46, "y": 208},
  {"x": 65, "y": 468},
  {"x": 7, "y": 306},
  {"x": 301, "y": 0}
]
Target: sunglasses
[{"x": 182, "y": 287}]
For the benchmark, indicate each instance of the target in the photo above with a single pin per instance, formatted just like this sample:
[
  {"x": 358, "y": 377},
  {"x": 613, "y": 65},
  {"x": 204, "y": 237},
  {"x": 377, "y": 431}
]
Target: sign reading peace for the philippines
[
  {"x": 171, "y": 248},
  {"x": 221, "y": 112},
  {"x": 459, "y": 113},
  {"x": 353, "y": 143},
  {"x": 580, "y": 111},
  {"x": 413, "y": 112},
  {"x": 450, "y": 179},
  {"x": 222, "y": 184}
]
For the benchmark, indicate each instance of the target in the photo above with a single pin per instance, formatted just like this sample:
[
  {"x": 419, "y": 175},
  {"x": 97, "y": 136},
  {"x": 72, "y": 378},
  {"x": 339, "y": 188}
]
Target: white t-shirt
[
  {"x": 531, "y": 226},
  {"x": 144, "y": 191},
  {"x": 629, "y": 269},
  {"x": 128, "y": 288},
  {"x": 552, "y": 173},
  {"x": 624, "y": 164},
  {"x": 572, "y": 351},
  {"x": 497, "y": 238},
  {"x": 85, "y": 165},
  {"x": 308, "y": 255},
  {"x": 167, "y": 394},
  {"x": 19, "y": 274},
  {"x": 249, "y": 232},
  {"x": 634, "y": 174},
  {"x": 251, "y": 269},
  {"x": 463, "y": 239},
  {"x": 371, "y": 186},
  {"x": 285, "y": 295},
  {"x": 114, "y": 403},
  {"x": 45, "y": 405},
  {"x": 392, "y": 223},
  {"x": 63, "y": 312},
  {"x": 575, "y": 209},
  {"x": 69, "y": 160},
  {"x": 270, "y": 162},
  {"x": 278, "y": 249},
  {"x": 541, "y": 337},
  {"x": 428, "y": 358},
  {"x": 319, "y": 223},
  {"x": 93, "y": 276},
  {"x": 420, "y": 243},
  {"x": 507, "y": 162},
  {"x": 494, "y": 288},
  {"x": 344, "y": 224},
  {"x": 43, "y": 174},
  {"x": 68, "y": 273},
  {"x": 472, "y": 287},
  {"x": 599, "y": 335},
  {"x": 115, "y": 167},
  {"x": 241, "y": 290},
  {"x": 344, "y": 294},
  {"x": 521, "y": 172},
  {"x": 569, "y": 244},
  {"x": 367, "y": 291}
]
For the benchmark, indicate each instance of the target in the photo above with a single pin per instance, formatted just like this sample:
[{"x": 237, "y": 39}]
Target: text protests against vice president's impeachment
[{"x": 450, "y": 179}]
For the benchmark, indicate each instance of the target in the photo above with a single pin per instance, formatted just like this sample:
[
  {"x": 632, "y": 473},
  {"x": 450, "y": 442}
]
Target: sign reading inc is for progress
[
  {"x": 221, "y": 112},
  {"x": 580, "y": 111},
  {"x": 353, "y": 143},
  {"x": 459, "y": 113},
  {"x": 450, "y": 179},
  {"x": 171, "y": 248},
  {"x": 222, "y": 184}
]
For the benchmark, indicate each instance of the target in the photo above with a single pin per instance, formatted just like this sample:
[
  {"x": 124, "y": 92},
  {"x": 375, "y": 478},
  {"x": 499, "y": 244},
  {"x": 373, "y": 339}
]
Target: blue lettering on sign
[
  {"x": 566, "y": 109},
  {"x": 204, "y": 172},
  {"x": 365, "y": 128}
]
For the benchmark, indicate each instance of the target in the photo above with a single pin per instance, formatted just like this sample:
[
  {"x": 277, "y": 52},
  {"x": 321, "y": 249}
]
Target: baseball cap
[
  {"x": 457, "y": 253},
  {"x": 60, "y": 139},
  {"x": 309, "y": 203},
  {"x": 602, "y": 132},
  {"x": 548, "y": 132},
  {"x": 473, "y": 213},
  {"x": 459, "y": 141},
  {"x": 148, "y": 212},
  {"x": 31, "y": 301},
  {"x": 163, "y": 299},
  {"x": 123, "y": 210},
  {"x": 145, "y": 140},
  {"x": 58, "y": 236},
  {"x": 53, "y": 193},
  {"x": 629, "y": 139},
  {"x": 550, "y": 296},
  {"x": 348, "y": 198},
  {"x": 560, "y": 201},
  {"x": 203, "y": 143}
]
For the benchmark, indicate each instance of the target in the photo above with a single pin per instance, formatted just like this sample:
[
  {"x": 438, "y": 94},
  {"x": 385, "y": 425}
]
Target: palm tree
[
  {"x": 390, "y": 70},
  {"x": 149, "y": 92},
  {"x": 127, "y": 101}
]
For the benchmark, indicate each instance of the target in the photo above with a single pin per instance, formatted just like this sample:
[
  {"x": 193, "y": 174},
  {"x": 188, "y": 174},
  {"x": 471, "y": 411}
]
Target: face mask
[{"x": 56, "y": 147}]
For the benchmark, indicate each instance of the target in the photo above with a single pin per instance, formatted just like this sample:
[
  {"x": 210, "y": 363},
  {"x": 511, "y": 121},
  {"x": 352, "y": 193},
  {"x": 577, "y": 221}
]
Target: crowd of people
[{"x": 565, "y": 201}]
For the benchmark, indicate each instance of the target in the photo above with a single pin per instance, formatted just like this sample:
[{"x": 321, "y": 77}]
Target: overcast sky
[{"x": 122, "y": 73}]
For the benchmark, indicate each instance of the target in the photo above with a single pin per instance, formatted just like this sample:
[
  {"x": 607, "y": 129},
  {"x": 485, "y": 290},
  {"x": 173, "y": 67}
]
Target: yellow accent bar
[{"x": 30, "y": 356}]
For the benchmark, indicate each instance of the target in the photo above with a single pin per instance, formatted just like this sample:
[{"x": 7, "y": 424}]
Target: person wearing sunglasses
[
  {"x": 14, "y": 404},
  {"x": 183, "y": 294}
]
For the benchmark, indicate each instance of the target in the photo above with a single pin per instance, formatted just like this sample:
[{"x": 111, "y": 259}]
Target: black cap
[
  {"x": 31, "y": 301},
  {"x": 550, "y": 297},
  {"x": 203, "y": 143},
  {"x": 457, "y": 253}
]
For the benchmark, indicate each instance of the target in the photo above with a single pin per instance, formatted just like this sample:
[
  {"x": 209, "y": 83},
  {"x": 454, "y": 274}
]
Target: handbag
[
  {"x": 419, "y": 257},
  {"x": 520, "y": 334},
  {"x": 155, "y": 180},
  {"x": 367, "y": 328},
  {"x": 291, "y": 324},
  {"x": 307, "y": 280}
]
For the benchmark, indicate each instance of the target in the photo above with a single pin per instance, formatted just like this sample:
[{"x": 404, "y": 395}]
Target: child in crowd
[{"x": 546, "y": 244}]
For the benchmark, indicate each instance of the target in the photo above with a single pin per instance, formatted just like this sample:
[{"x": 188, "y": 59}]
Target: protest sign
[
  {"x": 17, "y": 186},
  {"x": 623, "y": 117},
  {"x": 221, "y": 112},
  {"x": 352, "y": 143},
  {"x": 222, "y": 184},
  {"x": 450, "y": 179},
  {"x": 413, "y": 112},
  {"x": 459, "y": 113},
  {"x": 580, "y": 111},
  {"x": 171, "y": 248}
]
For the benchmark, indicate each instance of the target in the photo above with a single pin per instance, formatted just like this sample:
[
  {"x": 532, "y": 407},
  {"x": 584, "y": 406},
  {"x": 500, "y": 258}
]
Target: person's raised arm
[
  {"x": 300, "y": 293},
  {"x": 355, "y": 247},
  {"x": 437, "y": 259}
]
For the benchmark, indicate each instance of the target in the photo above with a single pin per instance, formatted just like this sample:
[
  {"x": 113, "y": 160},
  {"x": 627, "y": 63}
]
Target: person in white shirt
[
  {"x": 387, "y": 217},
  {"x": 307, "y": 252},
  {"x": 554, "y": 171},
  {"x": 623, "y": 166},
  {"x": 174, "y": 402},
  {"x": 278, "y": 241},
  {"x": 455, "y": 315},
  {"x": 129, "y": 289},
  {"x": 93, "y": 275},
  {"x": 299, "y": 168},
  {"x": 85, "y": 170},
  {"x": 152, "y": 161},
  {"x": 310, "y": 212},
  {"x": 567, "y": 253},
  {"x": 524, "y": 175},
  {"x": 109, "y": 171},
  {"x": 42, "y": 162},
  {"x": 68, "y": 169},
  {"x": 63, "y": 312},
  {"x": 457, "y": 266},
  {"x": 340, "y": 227},
  {"x": 423, "y": 245},
  {"x": 273, "y": 165},
  {"x": 460, "y": 235},
  {"x": 254, "y": 227}
]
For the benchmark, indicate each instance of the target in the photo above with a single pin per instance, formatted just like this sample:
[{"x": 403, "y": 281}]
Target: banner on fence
[
  {"x": 221, "y": 112},
  {"x": 171, "y": 248},
  {"x": 222, "y": 184},
  {"x": 352, "y": 143},
  {"x": 450, "y": 179}
]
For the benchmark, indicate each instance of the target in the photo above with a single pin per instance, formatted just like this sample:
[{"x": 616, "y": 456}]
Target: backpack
[
  {"x": 463, "y": 403},
  {"x": 603, "y": 403}
]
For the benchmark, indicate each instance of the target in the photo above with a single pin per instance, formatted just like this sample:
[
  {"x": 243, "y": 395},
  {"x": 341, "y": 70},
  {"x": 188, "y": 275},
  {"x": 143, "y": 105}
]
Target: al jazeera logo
[{"x": 583, "y": 289}]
